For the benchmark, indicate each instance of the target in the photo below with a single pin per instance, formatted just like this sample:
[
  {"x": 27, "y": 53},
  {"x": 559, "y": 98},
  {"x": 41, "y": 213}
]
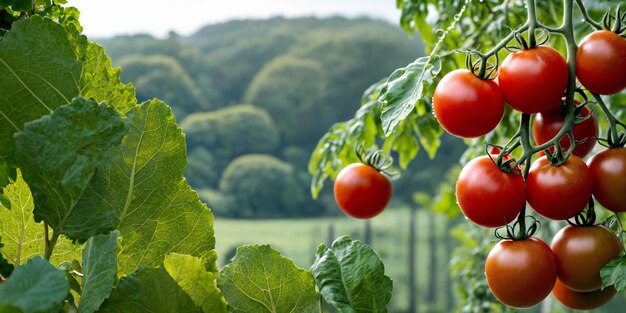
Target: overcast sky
[{"x": 105, "y": 18}]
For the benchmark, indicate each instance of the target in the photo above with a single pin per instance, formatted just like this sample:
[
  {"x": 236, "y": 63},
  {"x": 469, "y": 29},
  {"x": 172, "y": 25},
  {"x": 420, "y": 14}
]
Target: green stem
[
  {"x": 321, "y": 304},
  {"x": 588, "y": 19},
  {"x": 613, "y": 121},
  {"x": 532, "y": 23},
  {"x": 49, "y": 242}
]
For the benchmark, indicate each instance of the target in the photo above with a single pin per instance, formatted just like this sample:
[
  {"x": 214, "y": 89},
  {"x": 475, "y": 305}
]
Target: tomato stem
[
  {"x": 588, "y": 19},
  {"x": 613, "y": 121},
  {"x": 532, "y": 23}
]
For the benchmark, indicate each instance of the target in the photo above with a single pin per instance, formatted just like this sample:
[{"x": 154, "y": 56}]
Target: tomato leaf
[
  {"x": 99, "y": 269},
  {"x": 259, "y": 279},
  {"x": 36, "y": 286},
  {"x": 81, "y": 138},
  {"x": 200, "y": 285},
  {"x": 614, "y": 274},
  {"x": 404, "y": 88},
  {"x": 351, "y": 277}
]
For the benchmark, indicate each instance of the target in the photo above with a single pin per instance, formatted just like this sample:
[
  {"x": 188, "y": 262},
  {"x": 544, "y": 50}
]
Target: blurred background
[{"x": 255, "y": 85}]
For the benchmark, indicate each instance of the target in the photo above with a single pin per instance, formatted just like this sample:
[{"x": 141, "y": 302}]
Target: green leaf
[
  {"x": 259, "y": 279},
  {"x": 404, "y": 88},
  {"x": 23, "y": 239},
  {"x": 158, "y": 212},
  {"x": 45, "y": 66},
  {"x": 34, "y": 287},
  {"x": 80, "y": 138},
  {"x": 200, "y": 285},
  {"x": 614, "y": 274},
  {"x": 351, "y": 277},
  {"x": 429, "y": 133},
  {"x": 99, "y": 269},
  {"x": 149, "y": 290}
]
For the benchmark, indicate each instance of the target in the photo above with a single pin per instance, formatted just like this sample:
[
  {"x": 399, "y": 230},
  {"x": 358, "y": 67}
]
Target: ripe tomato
[
  {"x": 533, "y": 80},
  {"x": 601, "y": 62},
  {"x": 467, "y": 106},
  {"x": 488, "y": 196},
  {"x": 521, "y": 273},
  {"x": 608, "y": 169},
  {"x": 559, "y": 192},
  {"x": 582, "y": 300},
  {"x": 547, "y": 125},
  {"x": 581, "y": 252},
  {"x": 361, "y": 191}
]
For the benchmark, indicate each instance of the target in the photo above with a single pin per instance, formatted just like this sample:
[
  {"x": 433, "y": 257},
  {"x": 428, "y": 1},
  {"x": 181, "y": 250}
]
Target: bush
[
  {"x": 262, "y": 186},
  {"x": 202, "y": 170}
]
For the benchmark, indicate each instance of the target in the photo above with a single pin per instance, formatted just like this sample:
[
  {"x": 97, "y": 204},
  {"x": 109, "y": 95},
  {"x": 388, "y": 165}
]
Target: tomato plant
[
  {"x": 582, "y": 300},
  {"x": 361, "y": 191},
  {"x": 489, "y": 196},
  {"x": 601, "y": 62},
  {"x": 548, "y": 124},
  {"x": 467, "y": 106},
  {"x": 521, "y": 273},
  {"x": 608, "y": 169}
]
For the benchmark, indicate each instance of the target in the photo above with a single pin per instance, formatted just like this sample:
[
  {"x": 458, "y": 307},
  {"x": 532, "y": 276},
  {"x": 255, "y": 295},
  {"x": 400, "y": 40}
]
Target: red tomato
[
  {"x": 534, "y": 80},
  {"x": 559, "y": 192},
  {"x": 581, "y": 252},
  {"x": 547, "y": 125},
  {"x": 488, "y": 196},
  {"x": 467, "y": 106},
  {"x": 582, "y": 300},
  {"x": 521, "y": 273},
  {"x": 608, "y": 169},
  {"x": 361, "y": 191},
  {"x": 601, "y": 62}
]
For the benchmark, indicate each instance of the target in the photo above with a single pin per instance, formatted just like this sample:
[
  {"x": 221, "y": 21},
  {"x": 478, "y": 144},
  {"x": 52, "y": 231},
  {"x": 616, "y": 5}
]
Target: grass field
[{"x": 299, "y": 238}]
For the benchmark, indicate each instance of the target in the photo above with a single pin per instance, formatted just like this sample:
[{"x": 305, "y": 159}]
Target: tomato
[
  {"x": 488, "y": 196},
  {"x": 467, "y": 106},
  {"x": 547, "y": 125},
  {"x": 581, "y": 252},
  {"x": 559, "y": 192},
  {"x": 521, "y": 273},
  {"x": 582, "y": 300},
  {"x": 533, "y": 80},
  {"x": 608, "y": 169},
  {"x": 601, "y": 62},
  {"x": 361, "y": 191}
]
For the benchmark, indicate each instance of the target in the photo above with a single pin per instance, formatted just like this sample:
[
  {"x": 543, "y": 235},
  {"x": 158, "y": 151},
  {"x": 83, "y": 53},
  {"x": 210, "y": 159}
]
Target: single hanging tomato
[
  {"x": 547, "y": 125},
  {"x": 521, "y": 273},
  {"x": 467, "y": 106},
  {"x": 361, "y": 191},
  {"x": 559, "y": 192},
  {"x": 582, "y": 300},
  {"x": 581, "y": 252},
  {"x": 533, "y": 80},
  {"x": 608, "y": 169},
  {"x": 601, "y": 62},
  {"x": 489, "y": 196}
]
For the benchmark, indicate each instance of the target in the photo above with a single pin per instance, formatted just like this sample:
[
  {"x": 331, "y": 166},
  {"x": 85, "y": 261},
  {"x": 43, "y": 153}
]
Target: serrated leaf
[
  {"x": 45, "y": 66},
  {"x": 614, "y": 274},
  {"x": 404, "y": 88},
  {"x": 34, "y": 287},
  {"x": 99, "y": 269},
  {"x": 259, "y": 279},
  {"x": 79, "y": 138},
  {"x": 23, "y": 239},
  {"x": 158, "y": 212},
  {"x": 190, "y": 274},
  {"x": 351, "y": 277},
  {"x": 149, "y": 290}
]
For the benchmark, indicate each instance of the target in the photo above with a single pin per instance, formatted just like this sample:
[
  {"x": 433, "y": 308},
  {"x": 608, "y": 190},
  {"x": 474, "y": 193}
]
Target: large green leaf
[
  {"x": 404, "y": 88},
  {"x": 22, "y": 237},
  {"x": 44, "y": 66},
  {"x": 34, "y": 287},
  {"x": 99, "y": 269},
  {"x": 351, "y": 277},
  {"x": 190, "y": 274},
  {"x": 149, "y": 290},
  {"x": 158, "y": 212},
  {"x": 259, "y": 279},
  {"x": 79, "y": 138},
  {"x": 614, "y": 274}
]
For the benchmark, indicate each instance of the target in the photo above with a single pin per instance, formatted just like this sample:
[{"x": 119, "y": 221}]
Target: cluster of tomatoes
[{"x": 492, "y": 191}]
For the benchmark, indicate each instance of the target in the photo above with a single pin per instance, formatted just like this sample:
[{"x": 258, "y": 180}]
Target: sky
[{"x": 106, "y": 18}]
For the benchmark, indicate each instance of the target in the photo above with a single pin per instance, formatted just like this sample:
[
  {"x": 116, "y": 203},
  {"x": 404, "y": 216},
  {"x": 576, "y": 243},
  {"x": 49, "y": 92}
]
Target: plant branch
[
  {"x": 588, "y": 19},
  {"x": 532, "y": 23},
  {"x": 613, "y": 121}
]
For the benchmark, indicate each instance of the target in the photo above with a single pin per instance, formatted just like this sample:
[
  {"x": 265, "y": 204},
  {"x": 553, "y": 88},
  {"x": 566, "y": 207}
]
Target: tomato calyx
[
  {"x": 505, "y": 160},
  {"x": 376, "y": 159},
  {"x": 617, "y": 20},
  {"x": 519, "y": 230},
  {"x": 481, "y": 68},
  {"x": 585, "y": 218},
  {"x": 522, "y": 44}
]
